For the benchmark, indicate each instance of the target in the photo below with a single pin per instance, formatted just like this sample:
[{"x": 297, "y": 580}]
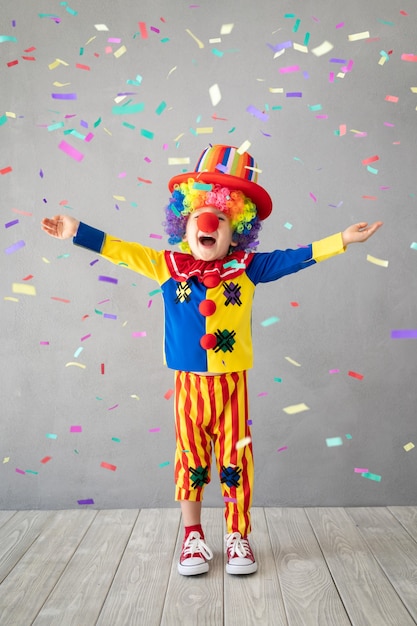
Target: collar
[{"x": 184, "y": 266}]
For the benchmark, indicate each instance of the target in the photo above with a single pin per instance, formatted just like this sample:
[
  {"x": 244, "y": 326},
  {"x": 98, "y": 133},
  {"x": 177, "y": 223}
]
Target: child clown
[{"x": 214, "y": 214}]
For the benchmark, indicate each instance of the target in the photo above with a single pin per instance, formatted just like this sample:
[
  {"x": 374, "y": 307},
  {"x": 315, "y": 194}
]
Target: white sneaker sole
[
  {"x": 241, "y": 569},
  {"x": 193, "y": 570}
]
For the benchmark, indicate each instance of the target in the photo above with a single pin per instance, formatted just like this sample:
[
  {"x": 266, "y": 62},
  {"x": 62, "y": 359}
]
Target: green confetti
[
  {"x": 269, "y": 321},
  {"x": 370, "y": 476},
  {"x": 334, "y": 441}
]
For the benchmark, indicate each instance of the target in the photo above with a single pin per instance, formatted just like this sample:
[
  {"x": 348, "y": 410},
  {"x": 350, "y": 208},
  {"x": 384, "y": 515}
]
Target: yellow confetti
[
  {"x": 28, "y": 290},
  {"x": 57, "y": 84},
  {"x": 357, "y": 36},
  {"x": 200, "y": 43},
  {"x": 135, "y": 396},
  {"x": 322, "y": 49},
  {"x": 120, "y": 198},
  {"x": 300, "y": 48},
  {"x": 413, "y": 89},
  {"x": 100, "y": 27},
  {"x": 90, "y": 40},
  {"x": 171, "y": 70},
  {"x": 243, "y": 147},
  {"x": 276, "y": 90},
  {"x": 242, "y": 443},
  {"x": 287, "y": 358},
  {"x": 375, "y": 261},
  {"x": 409, "y": 446},
  {"x": 76, "y": 364},
  {"x": 178, "y": 161},
  {"x": 178, "y": 137},
  {"x": 11, "y": 299},
  {"x": 295, "y": 408},
  {"x": 226, "y": 29},
  {"x": 215, "y": 40},
  {"x": 45, "y": 260},
  {"x": 120, "y": 51},
  {"x": 10, "y": 114},
  {"x": 215, "y": 94},
  {"x": 204, "y": 130},
  {"x": 6, "y": 459}
]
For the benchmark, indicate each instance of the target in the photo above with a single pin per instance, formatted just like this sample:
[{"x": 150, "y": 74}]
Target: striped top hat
[{"x": 226, "y": 166}]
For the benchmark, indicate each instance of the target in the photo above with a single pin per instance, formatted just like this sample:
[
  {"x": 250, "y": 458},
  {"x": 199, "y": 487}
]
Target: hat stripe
[{"x": 227, "y": 160}]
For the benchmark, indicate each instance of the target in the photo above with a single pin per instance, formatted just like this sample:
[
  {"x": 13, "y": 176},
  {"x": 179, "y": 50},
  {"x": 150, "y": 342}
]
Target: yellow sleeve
[
  {"x": 328, "y": 247},
  {"x": 135, "y": 256}
]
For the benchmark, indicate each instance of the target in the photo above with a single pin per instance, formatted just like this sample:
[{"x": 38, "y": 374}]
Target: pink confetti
[
  {"x": 282, "y": 449},
  {"x": 289, "y": 69},
  {"x": 141, "y": 333},
  {"x": 76, "y": 429},
  {"x": 313, "y": 197},
  {"x": 72, "y": 152}
]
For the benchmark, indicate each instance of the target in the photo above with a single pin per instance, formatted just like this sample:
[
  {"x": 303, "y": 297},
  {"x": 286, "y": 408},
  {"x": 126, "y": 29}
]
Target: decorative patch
[
  {"x": 225, "y": 340},
  {"x": 232, "y": 293},
  {"x": 183, "y": 292},
  {"x": 200, "y": 476},
  {"x": 230, "y": 475}
]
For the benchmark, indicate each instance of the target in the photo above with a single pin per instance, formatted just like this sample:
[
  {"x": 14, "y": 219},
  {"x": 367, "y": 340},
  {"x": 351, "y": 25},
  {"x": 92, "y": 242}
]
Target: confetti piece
[
  {"x": 358, "y": 36},
  {"x": 154, "y": 430},
  {"x": 71, "y": 363},
  {"x": 371, "y": 159},
  {"x": 370, "y": 476},
  {"x": 361, "y": 470},
  {"x": 322, "y": 49},
  {"x": 334, "y": 441},
  {"x": 165, "y": 464},
  {"x": 143, "y": 30},
  {"x": 60, "y": 299},
  {"x": 313, "y": 197},
  {"x": 6, "y": 170},
  {"x": 288, "y": 225},
  {"x": 51, "y": 436},
  {"x": 108, "y": 466},
  {"x": 226, "y": 29},
  {"x": 128, "y": 109},
  {"x": 64, "y": 96},
  {"x": 16, "y": 246},
  {"x": 269, "y": 321},
  {"x": 88, "y": 501},
  {"x": 355, "y": 375},
  {"x": 178, "y": 160},
  {"x": 108, "y": 279},
  {"x": 282, "y": 449},
  {"x": 334, "y": 371},
  {"x": 199, "y": 43},
  {"x": 391, "y": 98},
  {"x": 28, "y": 290},
  {"x": 257, "y": 113},
  {"x": 46, "y": 459},
  {"x": 296, "y": 408},
  {"x": 404, "y": 334},
  {"x": 169, "y": 394},
  {"x": 76, "y": 429},
  {"x": 72, "y": 152},
  {"x": 44, "y": 343},
  {"x": 19, "y": 471},
  {"x": 376, "y": 261},
  {"x": 287, "y": 358},
  {"x": 243, "y": 442},
  {"x": 289, "y": 69},
  {"x": 6, "y": 459},
  {"x": 215, "y": 94},
  {"x": 229, "y": 499},
  {"x": 161, "y": 108},
  {"x": 120, "y": 52},
  {"x": 139, "y": 334},
  {"x": 412, "y": 58}
]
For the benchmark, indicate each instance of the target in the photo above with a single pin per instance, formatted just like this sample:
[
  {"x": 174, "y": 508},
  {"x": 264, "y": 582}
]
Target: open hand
[
  {"x": 60, "y": 226},
  {"x": 358, "y": 233}
]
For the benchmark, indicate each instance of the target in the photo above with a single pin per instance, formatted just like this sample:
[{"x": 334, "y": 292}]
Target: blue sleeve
[
  {"x": 89, "y": 237},
  {"x": 269, "y": 266}
]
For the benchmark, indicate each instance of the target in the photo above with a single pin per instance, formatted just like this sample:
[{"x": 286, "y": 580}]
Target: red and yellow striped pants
[{"x": 212, "y": 413}]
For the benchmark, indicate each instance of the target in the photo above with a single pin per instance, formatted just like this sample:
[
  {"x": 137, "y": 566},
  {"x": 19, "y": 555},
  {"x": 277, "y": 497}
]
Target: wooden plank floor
[{"x": 317, "y": 567}]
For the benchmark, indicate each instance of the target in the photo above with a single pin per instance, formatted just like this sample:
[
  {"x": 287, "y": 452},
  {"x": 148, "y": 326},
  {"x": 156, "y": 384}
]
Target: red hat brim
[{"x": 252, "y": 190}]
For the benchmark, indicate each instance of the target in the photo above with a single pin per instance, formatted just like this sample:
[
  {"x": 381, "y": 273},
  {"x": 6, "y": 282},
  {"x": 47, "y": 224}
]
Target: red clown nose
[{"x": 207, "y": 222}]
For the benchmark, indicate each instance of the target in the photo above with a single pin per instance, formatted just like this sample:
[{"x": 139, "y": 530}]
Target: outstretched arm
[
  {"x": 60, "y": 226},
  {"x": 358, "y": 233}
]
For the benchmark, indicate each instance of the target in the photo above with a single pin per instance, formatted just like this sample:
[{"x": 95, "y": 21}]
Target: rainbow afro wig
[{"x": 190, "y": 195}]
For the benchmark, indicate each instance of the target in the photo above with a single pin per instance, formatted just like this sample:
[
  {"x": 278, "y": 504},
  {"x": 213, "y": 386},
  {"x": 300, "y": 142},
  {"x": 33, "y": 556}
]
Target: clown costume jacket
[{"x": 208, "y": 305}]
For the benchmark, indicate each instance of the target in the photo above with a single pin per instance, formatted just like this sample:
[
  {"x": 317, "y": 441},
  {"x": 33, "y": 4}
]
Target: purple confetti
[
  {"x": 294, "y": 94},
  {"x": 15, "y": 246},
  {"x": 88, "y": 501},
  {"x": 110, "y": 316},
  {"x": 404, "y": 334},
  {"x": 108, "y": 279},
  {"x": 64, "y": 96},
  {"x": 13, "y": 223}
]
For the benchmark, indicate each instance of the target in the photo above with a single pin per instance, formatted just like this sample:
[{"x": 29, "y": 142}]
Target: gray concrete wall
[{"x": 358, "y": 100}]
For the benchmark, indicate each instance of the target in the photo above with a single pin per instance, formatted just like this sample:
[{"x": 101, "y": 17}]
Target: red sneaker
[
  {"x": 240, "y": 559},
  {"x": 194, "y": 555}
]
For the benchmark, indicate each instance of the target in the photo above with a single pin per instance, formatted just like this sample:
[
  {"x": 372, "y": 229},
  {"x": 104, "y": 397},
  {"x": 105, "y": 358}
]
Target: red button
[
  {"x": 211, "y": 281},
  {"x": 208, "y": 341},
  {"x": 207, "y": 307}
]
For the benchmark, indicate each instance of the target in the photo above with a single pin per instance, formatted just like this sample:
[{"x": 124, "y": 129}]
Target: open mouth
[{"x": 207, "y": 241}]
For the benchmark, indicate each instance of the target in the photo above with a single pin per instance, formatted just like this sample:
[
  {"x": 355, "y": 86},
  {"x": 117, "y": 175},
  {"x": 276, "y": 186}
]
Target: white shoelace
[
  {"x": 238, "y": 546},
  {"x": 194, "y": 544}
]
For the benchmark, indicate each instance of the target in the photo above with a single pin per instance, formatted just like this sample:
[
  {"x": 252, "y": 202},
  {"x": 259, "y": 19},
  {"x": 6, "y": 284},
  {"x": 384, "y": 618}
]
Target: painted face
[{"x": 209, "y": 234}]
